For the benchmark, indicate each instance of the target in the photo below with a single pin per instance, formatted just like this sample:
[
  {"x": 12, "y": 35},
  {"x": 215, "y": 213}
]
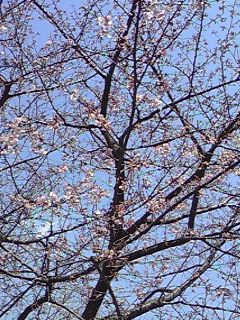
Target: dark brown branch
[
  {"x": 132, "y": 229},
  {"x": 33, "y": 306},
  {"x": 98, "y": 293},
  {"x": 156, "y": 248},
  {"x": 96, "y": 264},
  {"x": 15, "y": 300},
  {"x": 168, "y": 298},
  {"x": 77, "y": 316},
  {"x": 119, "y": 47},
  {"x": 193, "y": 210},
  {"x": 5, "y": 94}
]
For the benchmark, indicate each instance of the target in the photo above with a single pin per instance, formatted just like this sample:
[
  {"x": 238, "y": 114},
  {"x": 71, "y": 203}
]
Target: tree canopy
[{"x": 119, "y": 159}]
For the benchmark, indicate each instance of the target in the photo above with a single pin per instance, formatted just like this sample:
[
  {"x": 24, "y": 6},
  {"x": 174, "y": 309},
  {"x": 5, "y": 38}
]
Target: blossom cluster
[
  {"x": 21, "y": 128},
  {"x": 106, "y": 24},
  {"x": 11, "y": 139},
  {"x": 153, "y": 11},
  {"x": 100, "y": 120},
  {"x": 46, "y": 201}
]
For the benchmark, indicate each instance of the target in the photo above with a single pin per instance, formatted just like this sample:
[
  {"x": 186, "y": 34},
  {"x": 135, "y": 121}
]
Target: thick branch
[
  {"x": 164, "y": 300},
  {"x": 98, "y": 293},
  {"x": 33, "y": 307},
  {"x": 156, "y": 248},
  {"x": 193, "y": 211},
  {"x": 115, "y": 58},
  {"x": 5, "y": 94},
  {"x": 96, "y": 264}
]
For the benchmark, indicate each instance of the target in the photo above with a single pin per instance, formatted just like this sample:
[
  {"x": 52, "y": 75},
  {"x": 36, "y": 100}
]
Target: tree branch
[
  {"x": 96, "y": 264},
  {"x": 166, "y": 299},
  {"x": 33, "y": 306}
]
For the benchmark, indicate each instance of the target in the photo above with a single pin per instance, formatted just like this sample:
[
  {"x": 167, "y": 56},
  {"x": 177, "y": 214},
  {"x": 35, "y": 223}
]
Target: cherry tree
[{"x": 119, "y": 159}]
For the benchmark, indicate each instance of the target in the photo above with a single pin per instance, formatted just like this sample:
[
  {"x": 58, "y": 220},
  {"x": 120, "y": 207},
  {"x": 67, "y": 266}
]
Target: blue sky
[{"x": 44, "y": 30}]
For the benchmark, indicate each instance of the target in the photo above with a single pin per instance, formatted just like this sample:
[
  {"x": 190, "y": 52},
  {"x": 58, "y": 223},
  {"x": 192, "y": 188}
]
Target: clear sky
[{"x": 44, "y": 221}]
